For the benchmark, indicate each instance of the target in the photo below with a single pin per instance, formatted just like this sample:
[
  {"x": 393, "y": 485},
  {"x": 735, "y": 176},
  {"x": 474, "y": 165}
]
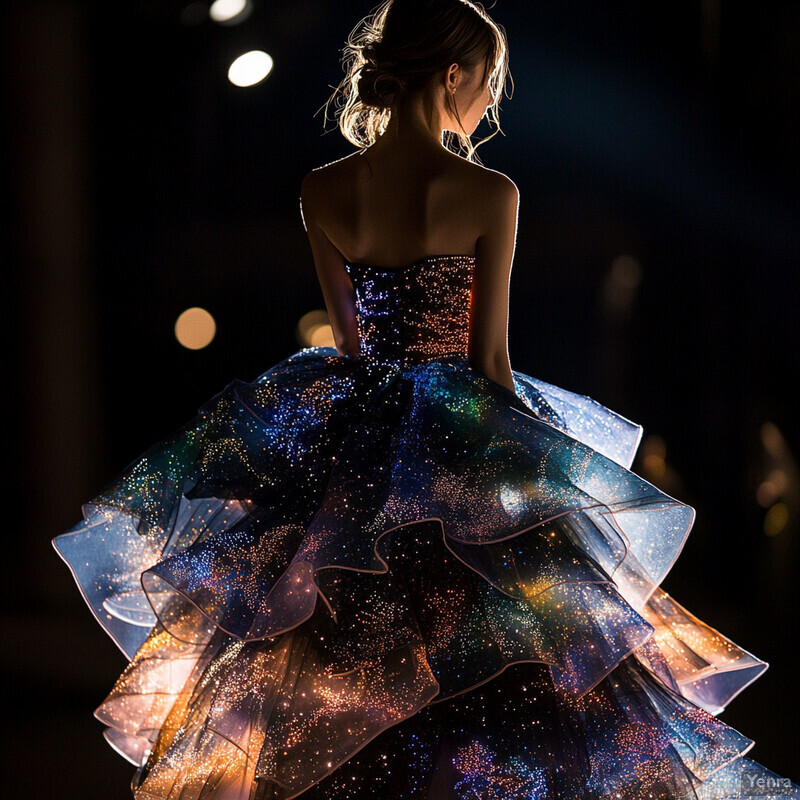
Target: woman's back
[
  {"x": 400, "y": 202},
  {"x": 392, "y": 206}
]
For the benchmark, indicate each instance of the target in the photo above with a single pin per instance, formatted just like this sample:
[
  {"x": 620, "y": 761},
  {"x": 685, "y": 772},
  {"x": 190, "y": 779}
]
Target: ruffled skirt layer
[{"x": 349, "y": 576}]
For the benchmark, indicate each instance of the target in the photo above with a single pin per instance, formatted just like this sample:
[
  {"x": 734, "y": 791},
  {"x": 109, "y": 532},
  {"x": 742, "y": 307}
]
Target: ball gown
[{"x": 387, "y": 575}]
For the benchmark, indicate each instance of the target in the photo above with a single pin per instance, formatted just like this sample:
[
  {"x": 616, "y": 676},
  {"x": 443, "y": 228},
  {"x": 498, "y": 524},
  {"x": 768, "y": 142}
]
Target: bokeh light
[
  {"x": 230, "y": 12},
  {"x": 654, "y": 466},
  {"x": 654, "y": 453},
  {"x": 776, "y": 519},
  {"x": 250, "y": 68},
  {"x": 195, "y": 328},
  {"x": 194, "y": 14},
  {"x": 775, "y": 486},
  {"x": 777, "y": 483},
  {"x": 314, "y": 329},
  {"x": 621, "y": 284}
]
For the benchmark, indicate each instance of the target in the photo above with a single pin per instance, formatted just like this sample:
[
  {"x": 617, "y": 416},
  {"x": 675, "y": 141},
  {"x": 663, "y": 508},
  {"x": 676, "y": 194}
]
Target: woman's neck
[{"x": 416, "y": 123}]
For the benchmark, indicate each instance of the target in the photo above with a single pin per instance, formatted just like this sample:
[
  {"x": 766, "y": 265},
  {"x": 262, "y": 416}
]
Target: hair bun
[
  {"x": 397, "y": 53},
  {"x": 377, "y": 82}
]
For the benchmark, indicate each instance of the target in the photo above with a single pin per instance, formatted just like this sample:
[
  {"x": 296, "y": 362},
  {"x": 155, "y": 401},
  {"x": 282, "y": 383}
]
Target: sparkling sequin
[
  {"x": 386, "y": 575},
  {"x": 415, "y": 313}
]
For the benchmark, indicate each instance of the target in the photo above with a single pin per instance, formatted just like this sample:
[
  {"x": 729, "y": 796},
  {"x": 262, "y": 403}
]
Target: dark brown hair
[{"x": 399, "y": 47}]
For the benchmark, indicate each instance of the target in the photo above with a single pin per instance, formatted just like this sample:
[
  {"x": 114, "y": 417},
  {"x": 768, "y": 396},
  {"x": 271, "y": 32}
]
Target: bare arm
[
  {"x": 488, "y": 325},
  {"x": 337, "y": 289}
]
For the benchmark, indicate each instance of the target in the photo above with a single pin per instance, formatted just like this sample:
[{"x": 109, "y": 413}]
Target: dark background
[{"x": 140, "y": 182}]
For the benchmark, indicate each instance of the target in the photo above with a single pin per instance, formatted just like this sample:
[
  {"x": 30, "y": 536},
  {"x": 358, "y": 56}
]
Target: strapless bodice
[{"x": 414, "y": 313}]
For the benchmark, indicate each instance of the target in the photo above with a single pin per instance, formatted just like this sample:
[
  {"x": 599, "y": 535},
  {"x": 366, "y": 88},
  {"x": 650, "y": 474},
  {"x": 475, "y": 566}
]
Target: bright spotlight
[
  {"x": 195, "y": 328},
  {"x": 230, "y": 12},
  {"x": 250, "y": 68}
]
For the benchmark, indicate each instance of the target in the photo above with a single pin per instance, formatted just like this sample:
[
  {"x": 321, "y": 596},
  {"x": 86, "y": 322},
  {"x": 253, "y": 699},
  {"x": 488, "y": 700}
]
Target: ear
[{"x": 453, "y": 75}]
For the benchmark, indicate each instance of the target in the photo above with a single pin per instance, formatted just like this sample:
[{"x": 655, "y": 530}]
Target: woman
[
  {"x": 405, "y": 196},
  {"x": 397, "y": 567}
]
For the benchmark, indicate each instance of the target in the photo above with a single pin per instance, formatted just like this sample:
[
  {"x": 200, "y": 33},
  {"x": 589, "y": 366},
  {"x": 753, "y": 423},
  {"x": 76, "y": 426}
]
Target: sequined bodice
[{"x": 414, "y": 313}]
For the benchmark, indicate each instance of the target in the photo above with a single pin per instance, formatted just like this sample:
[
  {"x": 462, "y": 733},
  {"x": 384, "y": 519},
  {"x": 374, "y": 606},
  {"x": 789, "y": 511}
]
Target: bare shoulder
[
  {"x": 324, "y": 181},
  {"x": 326, "y": 189},
  {"x": 496, "y": 185},
  {"x": 491, "y": 187}
]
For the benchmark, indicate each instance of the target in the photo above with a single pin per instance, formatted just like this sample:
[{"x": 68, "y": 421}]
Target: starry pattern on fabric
[{"x": 387, "y": 574}]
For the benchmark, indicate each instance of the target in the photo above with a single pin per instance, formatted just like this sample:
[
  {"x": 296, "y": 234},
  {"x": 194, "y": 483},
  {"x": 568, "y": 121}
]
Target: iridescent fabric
[{"x": 388, "y": 574}]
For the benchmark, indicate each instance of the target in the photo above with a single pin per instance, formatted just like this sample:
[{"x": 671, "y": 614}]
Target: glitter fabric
[{"x": 388, "y": 574}]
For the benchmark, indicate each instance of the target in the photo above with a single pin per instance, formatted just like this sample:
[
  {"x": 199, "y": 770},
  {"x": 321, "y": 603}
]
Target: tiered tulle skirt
[{"x": 349, "y": 577}]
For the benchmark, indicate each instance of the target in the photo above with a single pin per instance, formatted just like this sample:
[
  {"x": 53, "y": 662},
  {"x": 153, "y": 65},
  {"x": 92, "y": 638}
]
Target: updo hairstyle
[{"x": 399, "y": 47}]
